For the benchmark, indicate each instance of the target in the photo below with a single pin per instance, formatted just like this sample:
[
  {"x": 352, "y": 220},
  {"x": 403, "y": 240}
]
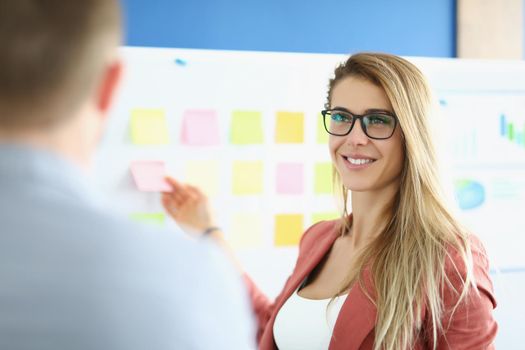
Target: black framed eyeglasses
[{"x": 378, "y": 125}]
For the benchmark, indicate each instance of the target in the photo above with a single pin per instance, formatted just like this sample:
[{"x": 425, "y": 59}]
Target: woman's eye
[
  {"x": 379, "y": 119},
  {"x": 338, "y": 117}
]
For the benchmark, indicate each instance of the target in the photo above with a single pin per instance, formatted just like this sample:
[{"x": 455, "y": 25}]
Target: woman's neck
[{"x": 370, "y": 214}]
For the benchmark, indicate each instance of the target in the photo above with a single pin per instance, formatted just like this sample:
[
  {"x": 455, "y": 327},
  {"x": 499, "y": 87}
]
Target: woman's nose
[{"x": 357, "y": 135}]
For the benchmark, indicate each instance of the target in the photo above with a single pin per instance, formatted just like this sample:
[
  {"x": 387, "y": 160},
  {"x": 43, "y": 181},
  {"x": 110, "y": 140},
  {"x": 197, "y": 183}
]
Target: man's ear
[{"x": 109, "y": 85}]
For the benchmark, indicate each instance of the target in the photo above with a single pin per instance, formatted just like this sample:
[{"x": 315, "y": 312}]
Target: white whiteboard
[{"x": 480, "y": 102}]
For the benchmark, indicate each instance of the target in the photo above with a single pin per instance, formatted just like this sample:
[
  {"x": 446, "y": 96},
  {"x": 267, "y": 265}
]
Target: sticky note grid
[{"x": 202, "y": 156}]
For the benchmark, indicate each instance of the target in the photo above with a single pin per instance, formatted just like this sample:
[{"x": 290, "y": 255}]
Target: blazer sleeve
[
  {"x": 263, "y": 307},
  {"x": 470, "y": 324}
]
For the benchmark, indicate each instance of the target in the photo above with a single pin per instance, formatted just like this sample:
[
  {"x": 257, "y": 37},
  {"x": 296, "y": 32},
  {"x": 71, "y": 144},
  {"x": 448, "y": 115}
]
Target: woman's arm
[
  {"x": 471, "y": 324},
  {"x": 189, "y": 207}
]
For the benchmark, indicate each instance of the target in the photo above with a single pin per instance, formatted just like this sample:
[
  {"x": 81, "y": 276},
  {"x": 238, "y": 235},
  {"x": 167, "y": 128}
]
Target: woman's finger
[
  {"x": 179, "y": 197},
  {"x": 169, "y": 204},
  {"x": 195, "y": 191},
  {"x": 175, "y": 185}
]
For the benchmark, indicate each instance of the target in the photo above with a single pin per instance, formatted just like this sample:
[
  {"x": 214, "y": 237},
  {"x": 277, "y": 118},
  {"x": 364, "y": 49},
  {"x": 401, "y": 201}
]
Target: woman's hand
[{"x": 188, "y": 206}]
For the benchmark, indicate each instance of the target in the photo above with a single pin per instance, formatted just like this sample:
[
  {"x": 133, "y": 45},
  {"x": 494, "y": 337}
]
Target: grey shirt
[{"x": 73, "y": 276}]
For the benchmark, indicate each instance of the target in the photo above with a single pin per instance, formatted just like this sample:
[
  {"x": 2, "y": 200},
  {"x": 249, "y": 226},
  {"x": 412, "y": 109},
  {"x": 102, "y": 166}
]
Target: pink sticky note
[
  {"x": 289, "y": 178},
  {"x": 200, "y": 128},
  {"x": 149, "y": 176}
]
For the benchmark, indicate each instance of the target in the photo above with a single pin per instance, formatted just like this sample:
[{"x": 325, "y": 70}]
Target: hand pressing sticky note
[
  {"x": 149, "y": 218},
  {"x": 289, "y": 178},
  {"x": 247, "y": 177},
  {"x": 289, "y": 127},
  {"x": 204, "y": 175},
  {"x": 149, "y": 176},
  {"x": 288, "y": 229},
  {"x": 200, "y": 128},
  {"x": 246, "y": 128},
  {"x": 148, "y": 127},
  {"x": 246, "y": 230},
  {"x": 323, "y": 178}
]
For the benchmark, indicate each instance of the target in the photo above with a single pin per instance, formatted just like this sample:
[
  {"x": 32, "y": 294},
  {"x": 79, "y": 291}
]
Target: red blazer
[{"x": 472, "y": 326}]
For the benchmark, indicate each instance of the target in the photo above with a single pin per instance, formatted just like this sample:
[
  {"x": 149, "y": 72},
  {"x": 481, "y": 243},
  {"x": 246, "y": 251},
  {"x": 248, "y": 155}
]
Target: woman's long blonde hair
[{"x": 407, "y": 260}]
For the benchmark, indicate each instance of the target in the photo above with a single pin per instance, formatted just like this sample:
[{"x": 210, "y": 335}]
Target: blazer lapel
[
  {"x": 311, "y": 259},
  {"x": 356, "y": 319},
  {"x": 314, "y": 253}
]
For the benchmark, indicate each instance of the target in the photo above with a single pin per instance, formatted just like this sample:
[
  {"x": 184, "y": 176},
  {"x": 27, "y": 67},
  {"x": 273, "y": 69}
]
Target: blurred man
[{"x": 72, "y": 276}]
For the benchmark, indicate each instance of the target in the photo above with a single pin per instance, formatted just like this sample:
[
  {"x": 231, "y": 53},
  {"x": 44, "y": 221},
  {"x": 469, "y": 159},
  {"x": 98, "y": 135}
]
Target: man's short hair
[{"x": 53, "y": 52}]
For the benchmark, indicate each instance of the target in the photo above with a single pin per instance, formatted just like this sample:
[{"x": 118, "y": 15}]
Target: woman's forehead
[{"x": 359, "y": 95}]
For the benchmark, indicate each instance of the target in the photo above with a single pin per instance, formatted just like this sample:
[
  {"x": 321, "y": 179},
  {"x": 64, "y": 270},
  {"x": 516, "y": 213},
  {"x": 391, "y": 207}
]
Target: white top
[{"x": 306, "y": 324}]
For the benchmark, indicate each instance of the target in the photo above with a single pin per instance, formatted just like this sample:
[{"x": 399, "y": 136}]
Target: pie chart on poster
[{"x": 470, "y": 194}]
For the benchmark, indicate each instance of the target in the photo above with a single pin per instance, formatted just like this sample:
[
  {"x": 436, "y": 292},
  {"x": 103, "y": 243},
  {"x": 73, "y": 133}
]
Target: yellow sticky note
[
  {"x": 246, "y": 230},
  {"x": 322, "y": 135},
  {"x": 149, "y": 218},
  {"x": 323, "y": 178},
  {"x": 247, "y": 177},
  {"x": 148, "y": 127},
  {"x": 288, "y": 229},
  {"x": 246, "y": 128},
  {"x": 204, "y": 175},
  {"x": 289, "y": 127},
  {"x": 317, "y": 217}
]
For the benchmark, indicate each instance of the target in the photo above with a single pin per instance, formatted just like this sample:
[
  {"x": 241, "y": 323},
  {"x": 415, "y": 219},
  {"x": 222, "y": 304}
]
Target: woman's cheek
[{"x": 333, "y": 145}]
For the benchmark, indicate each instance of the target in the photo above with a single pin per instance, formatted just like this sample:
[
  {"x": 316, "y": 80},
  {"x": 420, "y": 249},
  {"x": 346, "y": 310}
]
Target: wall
[{"x": 403, "y": 27}]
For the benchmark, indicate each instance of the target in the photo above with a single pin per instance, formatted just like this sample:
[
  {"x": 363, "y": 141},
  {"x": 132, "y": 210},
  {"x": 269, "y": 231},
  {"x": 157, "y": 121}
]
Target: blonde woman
[{"x": 397, "y": 271}]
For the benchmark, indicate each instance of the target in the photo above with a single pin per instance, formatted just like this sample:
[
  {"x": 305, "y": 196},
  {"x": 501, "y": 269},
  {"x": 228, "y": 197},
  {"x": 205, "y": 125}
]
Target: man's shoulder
[
  {"x": 84, "y": 259},
  {"x": 68, "y": 223}
]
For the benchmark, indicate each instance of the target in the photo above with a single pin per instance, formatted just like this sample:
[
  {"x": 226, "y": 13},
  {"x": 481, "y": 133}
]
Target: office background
[
  {"x": 403, "y": 27},
  {"x": 406, "y": 27}
]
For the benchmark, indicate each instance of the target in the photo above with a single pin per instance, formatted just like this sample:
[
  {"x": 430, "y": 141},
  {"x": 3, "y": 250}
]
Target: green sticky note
[
  {"x": 247, "y": 177},
  {"x": 246, "y": 230},
  {"x": 288, "y": 229},
  {"x": 246, "y": 128},
  {"x": 322, "y": 135},
  {"x": 148, "y": 127},
  {"x": 317, "y": 217},
  {"x": 150, "y": 218},
  {"x": 289, "y": 127},
  {"x": 323, "y": 178}
]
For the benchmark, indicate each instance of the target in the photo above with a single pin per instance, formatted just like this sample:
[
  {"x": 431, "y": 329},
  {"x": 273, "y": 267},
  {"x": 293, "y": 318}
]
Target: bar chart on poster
[
  {"x": 488, "y": 150},
  {"x": 246, "y": 128}
]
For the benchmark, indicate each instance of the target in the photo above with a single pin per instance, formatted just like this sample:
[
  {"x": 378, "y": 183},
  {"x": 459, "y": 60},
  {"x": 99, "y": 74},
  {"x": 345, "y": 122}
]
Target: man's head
[{"x": 58, "y": 61}]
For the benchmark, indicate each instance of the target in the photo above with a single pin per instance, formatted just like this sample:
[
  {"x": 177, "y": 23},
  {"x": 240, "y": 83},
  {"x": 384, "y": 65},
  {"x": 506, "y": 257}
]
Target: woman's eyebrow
[
  {"x": 378, "y": 110},
  {"x": 337, "y": 108},
  {"x": 368, "y": 111}
]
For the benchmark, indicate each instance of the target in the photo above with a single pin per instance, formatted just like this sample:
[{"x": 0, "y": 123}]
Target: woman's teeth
[{"x": 359, "y": 161}]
